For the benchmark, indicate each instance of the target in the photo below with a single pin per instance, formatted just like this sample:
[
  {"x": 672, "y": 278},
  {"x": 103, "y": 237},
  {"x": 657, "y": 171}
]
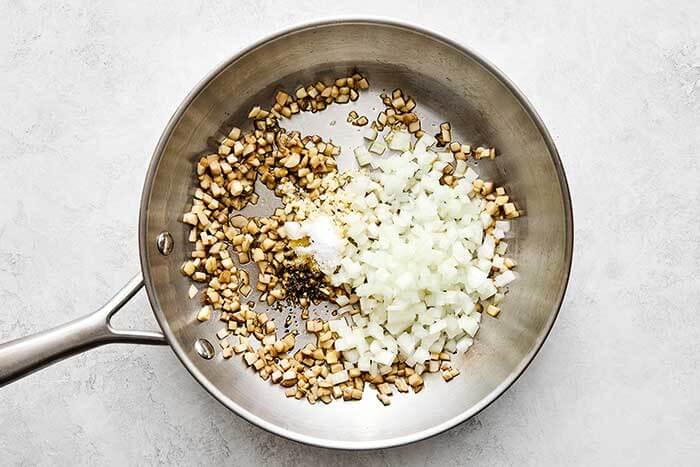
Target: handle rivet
[
  {"x": 204, "y": 349},
  {"x": 164, "y": 243}
]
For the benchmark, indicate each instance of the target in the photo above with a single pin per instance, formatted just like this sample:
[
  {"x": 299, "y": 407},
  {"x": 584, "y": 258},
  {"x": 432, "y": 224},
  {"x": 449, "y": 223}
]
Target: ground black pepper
[{"x": 302, "y": 284}]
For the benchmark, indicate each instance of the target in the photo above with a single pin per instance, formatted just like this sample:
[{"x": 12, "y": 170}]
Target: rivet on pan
[
  {"x": 164, "y": 243},
  {"x": 204, "y": 349}
]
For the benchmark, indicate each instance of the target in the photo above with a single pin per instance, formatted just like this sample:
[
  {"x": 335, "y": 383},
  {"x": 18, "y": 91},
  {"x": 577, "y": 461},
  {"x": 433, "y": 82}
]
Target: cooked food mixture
[{"x": 409, "y": 246}]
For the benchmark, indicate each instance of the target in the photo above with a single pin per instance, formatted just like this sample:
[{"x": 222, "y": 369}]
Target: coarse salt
[{"x": 325, "y": 241}]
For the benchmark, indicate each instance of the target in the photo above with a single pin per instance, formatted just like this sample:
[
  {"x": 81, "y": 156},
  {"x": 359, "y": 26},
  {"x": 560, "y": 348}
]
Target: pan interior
[{"x": 448, "y": 85}]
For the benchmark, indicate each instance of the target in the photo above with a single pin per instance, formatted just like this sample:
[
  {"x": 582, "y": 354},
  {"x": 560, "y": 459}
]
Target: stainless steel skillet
[{"x": 449, "y": 82}]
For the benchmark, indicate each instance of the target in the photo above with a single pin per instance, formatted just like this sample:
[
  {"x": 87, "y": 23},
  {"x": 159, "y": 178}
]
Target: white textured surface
[{"x": 85, "y": 92}]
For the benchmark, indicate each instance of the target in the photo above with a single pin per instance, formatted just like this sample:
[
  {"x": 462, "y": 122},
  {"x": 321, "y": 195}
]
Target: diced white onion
[
  {"x": 339, "y": 377},
  {"x": 419, "y": 255}
]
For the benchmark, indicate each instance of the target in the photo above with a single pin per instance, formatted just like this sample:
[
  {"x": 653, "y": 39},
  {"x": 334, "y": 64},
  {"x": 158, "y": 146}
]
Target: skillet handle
[{"x": 23, "y": 356}]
